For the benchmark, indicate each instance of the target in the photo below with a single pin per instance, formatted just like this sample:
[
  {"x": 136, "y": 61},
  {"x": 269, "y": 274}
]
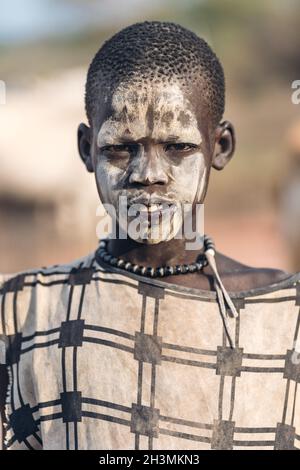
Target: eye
[
  {"x": 180, "y": 147},
  {"x": 120, "y": 150}
]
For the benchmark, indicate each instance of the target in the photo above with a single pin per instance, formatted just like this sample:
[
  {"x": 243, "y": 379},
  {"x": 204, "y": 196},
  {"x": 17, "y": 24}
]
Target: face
[{"x": 150, "y": 156}]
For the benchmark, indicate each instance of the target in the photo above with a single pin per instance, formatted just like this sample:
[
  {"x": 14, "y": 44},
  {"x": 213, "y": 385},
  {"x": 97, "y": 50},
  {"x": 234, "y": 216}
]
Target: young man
[{"x": 140, "y": 345}]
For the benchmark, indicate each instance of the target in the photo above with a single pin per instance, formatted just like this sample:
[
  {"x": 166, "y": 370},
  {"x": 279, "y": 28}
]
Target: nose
[{"x": 148, "y": 170}]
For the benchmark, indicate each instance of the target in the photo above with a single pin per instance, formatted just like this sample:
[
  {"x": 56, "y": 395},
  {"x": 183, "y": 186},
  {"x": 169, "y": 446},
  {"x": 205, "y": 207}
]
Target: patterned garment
[{"x": 102, "y": 359}]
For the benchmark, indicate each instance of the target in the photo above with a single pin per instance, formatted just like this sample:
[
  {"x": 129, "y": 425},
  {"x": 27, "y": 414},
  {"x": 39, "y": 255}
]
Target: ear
[
  {"x": 224, "y": 146},
  {"x": 84, "y": 146}
]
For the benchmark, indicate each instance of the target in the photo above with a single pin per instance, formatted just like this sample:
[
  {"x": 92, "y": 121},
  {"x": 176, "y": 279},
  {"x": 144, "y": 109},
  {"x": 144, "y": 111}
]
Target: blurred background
[{"x": 47, "y": 199}]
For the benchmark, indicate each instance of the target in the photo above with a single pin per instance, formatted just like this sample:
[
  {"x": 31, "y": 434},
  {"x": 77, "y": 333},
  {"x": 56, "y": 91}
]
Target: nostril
[{"x": 147, "y": 180}]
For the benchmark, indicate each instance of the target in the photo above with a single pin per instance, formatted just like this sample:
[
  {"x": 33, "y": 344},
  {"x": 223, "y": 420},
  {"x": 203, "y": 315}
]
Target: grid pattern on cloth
[{"x": 98, "y": 359}]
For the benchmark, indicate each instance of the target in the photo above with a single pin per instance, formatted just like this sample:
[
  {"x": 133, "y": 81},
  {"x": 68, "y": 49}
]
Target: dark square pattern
[
  {"x": 14, "y": 284},
  {"x": 222, "y": 437},
  {"x": 71, "y": 333},
  {"x": 144, "y": 420},
  {"x": 147, "y": 348},
  {"x": 292, "y": 366},
  {"x": 23, "y": 423},
  {"x": 285, "y": 436},
  {"x": 229, "y": 361},
  {"x": 71, "y": 406},
  {"x": 13, "y": 348},
  {"x": 80, "y": 276},
  {"x": 151, "y": 291}
]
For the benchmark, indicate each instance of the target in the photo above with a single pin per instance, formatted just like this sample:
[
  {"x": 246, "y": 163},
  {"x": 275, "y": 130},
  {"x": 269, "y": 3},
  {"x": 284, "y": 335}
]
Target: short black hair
[{"x": 157, "y": 51}]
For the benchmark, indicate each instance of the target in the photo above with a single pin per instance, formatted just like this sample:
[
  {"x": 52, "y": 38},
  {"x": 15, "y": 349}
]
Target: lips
[
  {"x": 149, "y": 200},
  {"x": 153, "y": 208},
  {"x": 155, "y": 212}
]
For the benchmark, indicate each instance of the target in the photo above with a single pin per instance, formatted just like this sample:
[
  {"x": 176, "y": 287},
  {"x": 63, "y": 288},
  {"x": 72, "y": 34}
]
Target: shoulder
[
  {"x": 238, "y": 277},
  {"x": 11, "y": 282},
  {"x": 26, "y": 294}
]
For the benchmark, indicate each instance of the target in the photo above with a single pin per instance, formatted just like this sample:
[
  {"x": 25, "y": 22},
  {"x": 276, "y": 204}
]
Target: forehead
[{"x": 158, "y": 111}]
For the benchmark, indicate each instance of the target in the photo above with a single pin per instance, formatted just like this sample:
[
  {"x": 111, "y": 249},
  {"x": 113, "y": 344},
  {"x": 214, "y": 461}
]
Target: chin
[{"x": 150, "y": 241}]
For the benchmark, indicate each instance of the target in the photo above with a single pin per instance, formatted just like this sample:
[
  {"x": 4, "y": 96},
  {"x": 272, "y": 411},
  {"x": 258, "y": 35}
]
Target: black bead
[
  {"x": 150, "y": 272},
  {"x": 178, "y": 269},
  {"x": 160, "y": 272},
  {"x": 209, "y": 244},
  {"x": 143, "y": 270},
  {"x": 200, "y": 258},
  {"x": 192, "y": 268},
  {"x": 199, "y": 266},
  {"x": 184, "y": 269},
  {"x": 136, "y": 269},
  {"x": 120, "y": 263},
  {"x": 113, "y": 261},
  {"x": 169, "y": 270},
  {"x": 128, "y": 266},
  {"x": 107, "y": 258},
  {"x": 210, "y": 247}
]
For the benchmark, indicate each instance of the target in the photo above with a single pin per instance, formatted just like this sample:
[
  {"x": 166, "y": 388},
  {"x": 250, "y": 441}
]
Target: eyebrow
[
  {"x": 113, "y": 136},
  {"x": 169, "y": 138},
  {"x": 128, "y": 139}
]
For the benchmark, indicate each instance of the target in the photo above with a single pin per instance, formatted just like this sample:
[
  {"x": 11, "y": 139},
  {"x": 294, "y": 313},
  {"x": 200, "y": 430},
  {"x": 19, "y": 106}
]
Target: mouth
[{"x": 153, "y": 212}]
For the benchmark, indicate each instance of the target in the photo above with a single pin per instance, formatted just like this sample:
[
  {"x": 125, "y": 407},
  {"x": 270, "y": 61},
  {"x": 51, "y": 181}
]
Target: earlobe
[
  {"x": 84, "y": 146},
  {"x": 224, "y": 146}
]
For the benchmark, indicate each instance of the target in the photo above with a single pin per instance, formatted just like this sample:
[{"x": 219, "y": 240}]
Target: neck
[{"x": 162, "y": 254}]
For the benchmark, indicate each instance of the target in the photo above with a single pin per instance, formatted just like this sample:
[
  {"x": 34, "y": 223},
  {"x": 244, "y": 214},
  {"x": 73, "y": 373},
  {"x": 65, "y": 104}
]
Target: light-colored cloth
[{"x": 101, "y": 359}]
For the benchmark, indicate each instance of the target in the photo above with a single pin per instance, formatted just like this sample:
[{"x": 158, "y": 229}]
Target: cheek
[
  {"x": 108, "y": 177},
  {"x": 188, "y": 176}
]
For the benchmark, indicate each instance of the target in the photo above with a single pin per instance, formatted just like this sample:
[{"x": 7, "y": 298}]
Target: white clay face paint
[
  {"x": 131, "y": 116},
  {"x": 156, "y": 113}
]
